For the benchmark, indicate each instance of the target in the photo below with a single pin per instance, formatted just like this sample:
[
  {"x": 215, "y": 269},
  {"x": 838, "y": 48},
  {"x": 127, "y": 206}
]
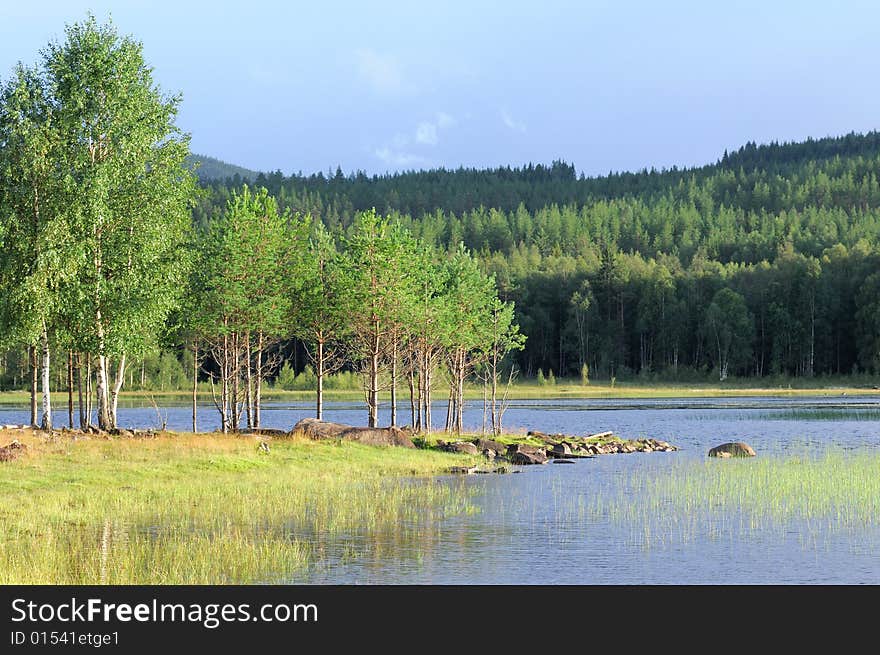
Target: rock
[
  {"x": 463, "y": 470},
  {"x": 561, "y": 449},
  {"x": 489, "y": 444},
  {"x": 525, "y": 459},
  {"x": 315, "y": 429},
  {"x": 391, "y": 436},
  {"x": 733, "y": 449},
  {"x": 265, "y": 432},
  {"x": 465, "y": 447},
  {"x": 11, "y": 451},
  {"x": 489, "y": 454},
  {"x": 524, "y": 448},
  {"x": 563, "y": 461}
]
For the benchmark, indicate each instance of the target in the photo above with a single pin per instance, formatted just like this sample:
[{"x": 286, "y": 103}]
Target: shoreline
[{"x": 518, "y": 392}]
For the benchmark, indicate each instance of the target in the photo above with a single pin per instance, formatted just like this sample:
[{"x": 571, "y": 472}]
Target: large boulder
[
  {"x": 465, "y": 447},
  {"x": 525, "y": 459},
  {"x": 733, "y": 449},
  {"x": 315, "y": 429},
  {"x": 489, "y": 444},
  {"x": 524, "y": 454}
]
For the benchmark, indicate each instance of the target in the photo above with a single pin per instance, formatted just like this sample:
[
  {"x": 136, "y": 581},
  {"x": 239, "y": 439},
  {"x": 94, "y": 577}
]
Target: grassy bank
[
  {"x": 829, "y": 387},
  {"x": 186, "y": 508}
]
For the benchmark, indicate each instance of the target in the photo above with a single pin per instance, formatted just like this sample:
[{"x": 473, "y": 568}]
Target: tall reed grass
[{"x": 207, "y": 509}]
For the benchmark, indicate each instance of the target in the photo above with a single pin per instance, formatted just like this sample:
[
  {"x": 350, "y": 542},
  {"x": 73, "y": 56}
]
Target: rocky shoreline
[
  {"x": 519, "y": 450},
  {"x": 540, "y": 448}
]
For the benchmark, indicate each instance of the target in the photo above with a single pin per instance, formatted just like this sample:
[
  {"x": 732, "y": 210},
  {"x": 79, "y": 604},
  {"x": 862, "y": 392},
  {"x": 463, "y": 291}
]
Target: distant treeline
[{"x": 765, "y": 262}]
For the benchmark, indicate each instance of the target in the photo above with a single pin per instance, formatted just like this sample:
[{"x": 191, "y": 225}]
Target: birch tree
[
  {"x": 129, "y": 196},
  {"x": 36, "y": 254}
]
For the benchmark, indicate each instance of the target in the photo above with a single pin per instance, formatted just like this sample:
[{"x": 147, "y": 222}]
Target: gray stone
[{"x": 733, "y": 449}]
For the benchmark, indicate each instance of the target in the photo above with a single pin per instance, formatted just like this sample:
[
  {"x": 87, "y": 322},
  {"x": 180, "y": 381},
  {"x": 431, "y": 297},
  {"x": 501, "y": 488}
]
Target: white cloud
[
  {"x": 399, "y": 158},
  {"x": 511, "y": 122},
  {"x": 398, "y": 150},
  {"x": 426, "y": 133},
  {"x": 382, "y": 72}
]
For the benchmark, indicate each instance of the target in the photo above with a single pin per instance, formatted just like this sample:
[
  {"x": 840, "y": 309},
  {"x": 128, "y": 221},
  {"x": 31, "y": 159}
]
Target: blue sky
[{"x": 390, "y": 85}]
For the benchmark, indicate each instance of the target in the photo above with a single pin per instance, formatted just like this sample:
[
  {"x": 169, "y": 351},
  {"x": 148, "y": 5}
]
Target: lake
[{"x": 591, "y": 522}]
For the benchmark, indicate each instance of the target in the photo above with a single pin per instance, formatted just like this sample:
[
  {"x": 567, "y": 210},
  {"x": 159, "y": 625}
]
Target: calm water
[{"x": 542, "y": 526}]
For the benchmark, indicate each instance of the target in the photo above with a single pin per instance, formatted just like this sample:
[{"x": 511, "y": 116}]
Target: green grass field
[{"x": 203, "y": 508}]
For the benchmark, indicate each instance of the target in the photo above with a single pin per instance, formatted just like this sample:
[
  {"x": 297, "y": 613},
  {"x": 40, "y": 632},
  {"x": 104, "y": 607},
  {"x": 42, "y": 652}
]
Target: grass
[
  {"x": 689, "y": 501},
  {"x": 184, "y": 508},
  {"x": 821, "y": 414},
  {"x": 570, "y": 388}
]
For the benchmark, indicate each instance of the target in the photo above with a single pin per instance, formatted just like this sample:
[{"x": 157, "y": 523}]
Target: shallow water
[{"x": 554, "y": 524}]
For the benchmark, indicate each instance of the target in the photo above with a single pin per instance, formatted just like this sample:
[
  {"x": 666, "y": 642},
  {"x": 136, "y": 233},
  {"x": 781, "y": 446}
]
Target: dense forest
[
  {"x": 764, "y": 263},
  {"x": 142, "y": 273}
]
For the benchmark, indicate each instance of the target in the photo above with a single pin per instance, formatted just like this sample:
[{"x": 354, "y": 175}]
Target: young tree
[
  {"x": 242, "y": 290},
  {"x": 128, "y": 193},
  {"x": 467, "y": 300},
  {"x": 380, "y": 266},
  {"x": 504, "y": 337},
  {"x": 36, "y": 254},
  {"x": 322, "y": 308}
]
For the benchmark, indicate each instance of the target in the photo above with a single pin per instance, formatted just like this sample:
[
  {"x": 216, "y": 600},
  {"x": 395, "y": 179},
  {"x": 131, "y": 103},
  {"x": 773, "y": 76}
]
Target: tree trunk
[
  {"x": 427, "y": 418},
  {"x": 249, "y": 380},
  {"x": 485, "y": 404},
  {"x": 373, "y": 395},
  {"x": 46, "y": 418},
  {"x": 88, "y": 389},
  {"x": 114, "y": 394},
  {"x": 83, "y": 422},
  {"x": 235, "y": 380},
  {"x": 496, "y": 427},
  {"x": 459, "y": 416},
  {"x": 319, "y": 364},
  {"x": 195, "y": 385},
  {"x": 394, "y": 385},
  {"x": 412, "y": 398},
  {"x": 101, "y": 389},
  {"x": 70, "y": 388},
  {"x": 258, "y": 392},
  {"x": 32, "y": 352},
  {"x": 224, "y": 381},
  {"x": 450, "y": 401}
]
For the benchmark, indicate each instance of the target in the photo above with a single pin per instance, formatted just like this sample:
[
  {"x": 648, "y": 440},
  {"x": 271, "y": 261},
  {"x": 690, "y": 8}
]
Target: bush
[
  {"x": 585, "y": 374},
  {"x": 541, "y": 379},
  {"x": 551, "y": 379}
]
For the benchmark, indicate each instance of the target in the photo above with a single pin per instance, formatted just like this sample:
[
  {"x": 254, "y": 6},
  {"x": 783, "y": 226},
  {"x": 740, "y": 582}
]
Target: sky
[{"x": 391, "y": 85}]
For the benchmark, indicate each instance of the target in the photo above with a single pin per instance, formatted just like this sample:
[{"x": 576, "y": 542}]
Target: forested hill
[
  {"x": 209, "y": 168},
  {"x": 625, "y": 272},
  {"x": 730, "y": 181}
]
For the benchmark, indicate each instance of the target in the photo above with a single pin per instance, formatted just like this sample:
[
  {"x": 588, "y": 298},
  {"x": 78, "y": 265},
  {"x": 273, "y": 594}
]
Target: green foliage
[
  {"x": 542, "y": 381},
  {"x": 585, "y": 374}
]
